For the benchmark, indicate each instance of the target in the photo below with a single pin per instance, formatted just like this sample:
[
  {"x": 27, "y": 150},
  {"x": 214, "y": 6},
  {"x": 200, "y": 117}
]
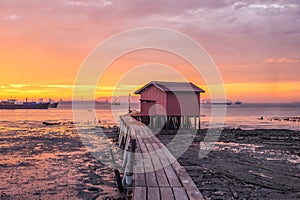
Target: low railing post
[
  {"x": 117, "y": 173},
  {"x": 129, "y": 173}
]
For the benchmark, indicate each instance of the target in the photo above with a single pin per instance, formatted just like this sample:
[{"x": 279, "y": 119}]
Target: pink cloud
[
  {"x": 86, "y": 3},
  {"x": 234, "y": 32},
  {"x": 281, "y": 60},
  {"x": 11, "y": 17}
]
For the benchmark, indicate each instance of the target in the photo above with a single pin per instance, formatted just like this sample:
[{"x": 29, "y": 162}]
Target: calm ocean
[{"x": 244, "y": 116}]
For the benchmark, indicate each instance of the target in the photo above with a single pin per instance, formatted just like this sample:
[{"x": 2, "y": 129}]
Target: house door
[{"x": 148, "y": 108}]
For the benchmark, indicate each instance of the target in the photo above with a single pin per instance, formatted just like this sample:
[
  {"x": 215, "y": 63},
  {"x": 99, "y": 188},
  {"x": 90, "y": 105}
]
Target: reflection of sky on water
[{"x": 245, "y": 116}]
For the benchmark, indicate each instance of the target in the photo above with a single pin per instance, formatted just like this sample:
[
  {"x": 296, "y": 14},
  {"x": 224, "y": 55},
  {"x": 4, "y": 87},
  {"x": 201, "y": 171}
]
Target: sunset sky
[{"x": 255, "y": 44}]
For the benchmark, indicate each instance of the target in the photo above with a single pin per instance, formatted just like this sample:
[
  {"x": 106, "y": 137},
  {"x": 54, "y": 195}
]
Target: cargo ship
[
  {"x": 14, "y": 104},
  {"x": 217, "y": 101}
]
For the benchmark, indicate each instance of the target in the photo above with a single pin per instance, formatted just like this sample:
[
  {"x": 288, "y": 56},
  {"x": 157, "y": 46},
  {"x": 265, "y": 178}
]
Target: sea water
[
  {"x": 256, "y": 116},
  {"x": 244, "y": 116}
]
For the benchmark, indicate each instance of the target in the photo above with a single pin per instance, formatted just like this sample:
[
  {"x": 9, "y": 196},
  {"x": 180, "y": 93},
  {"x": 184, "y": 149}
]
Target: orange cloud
[{"x": 41, "y": 51}]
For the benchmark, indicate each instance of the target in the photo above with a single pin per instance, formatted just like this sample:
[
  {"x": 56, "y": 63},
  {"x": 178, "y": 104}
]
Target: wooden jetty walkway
[{"x": 151, "y": 170}]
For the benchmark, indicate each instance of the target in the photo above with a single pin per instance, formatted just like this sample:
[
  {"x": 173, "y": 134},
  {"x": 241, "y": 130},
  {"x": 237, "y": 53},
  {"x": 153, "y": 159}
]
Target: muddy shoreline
[
  {"x": 245, "y": 164},
  {"x": 50, "y": 162}
]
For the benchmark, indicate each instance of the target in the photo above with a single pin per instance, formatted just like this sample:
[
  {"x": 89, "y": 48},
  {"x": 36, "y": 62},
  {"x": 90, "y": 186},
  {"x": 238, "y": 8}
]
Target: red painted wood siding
[
  {"x": 168, "y": 103},
  {"x": 183, "y": 103},
  {"x": 153, "y": 93}
]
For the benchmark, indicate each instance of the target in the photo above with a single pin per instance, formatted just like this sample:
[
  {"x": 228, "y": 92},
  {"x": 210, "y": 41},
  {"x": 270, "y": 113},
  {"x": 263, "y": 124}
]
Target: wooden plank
[
  {"x": 172, "y": 177},
  {"x": 140, "y": 193},
  {"x": 194, "y": 194},
  {"x": 185, "y": 179},
  {"x": 163, "y": 148},
  {"x": 162, "y": 178},
  {"x": 187, "y": 182},
  {"x": 169, "y": 171},
  {"x": 149, "y": 170},
  {"x": 139, "y": 163},
  {"x": 166, "y": 193},
  {"x": 159, "y": 171},
  {"x": 154, "y": 157},
  {"x": 143, "y": 146},
  {"x": 153, "y": 193},
  {"x": 151, "y": 180},
  {"x": 165, "y": 161},
  {"x": 147, "y": 162},
  {"x": 162, "y": 157},
  {"x": 139, "y": 179},
  {"x": 157, "y": 165},
  {"x": 139, "y": 171},
  {"x": 180, "y": 194}
]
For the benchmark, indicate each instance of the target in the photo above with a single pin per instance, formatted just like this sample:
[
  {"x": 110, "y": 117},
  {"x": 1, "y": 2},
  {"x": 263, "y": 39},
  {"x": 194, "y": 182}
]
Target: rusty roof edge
[{"x": 142, "y": 88}]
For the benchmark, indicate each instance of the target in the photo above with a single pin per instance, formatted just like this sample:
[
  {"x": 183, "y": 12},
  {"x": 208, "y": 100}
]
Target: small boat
[
  {"x": 238, "y": 102},
  {"x": 14, "y": 104},
  {"x": 53, "y": 104},
  {"x": 115, "y": 102},
  {"x": 51, "y": 123}
]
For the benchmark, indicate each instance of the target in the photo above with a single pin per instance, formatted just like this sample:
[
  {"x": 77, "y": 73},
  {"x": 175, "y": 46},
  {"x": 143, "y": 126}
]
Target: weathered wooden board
[
  {"x": 166, "y": 193},
  {"x": 153, "y": 193},
  {"x": 140, "y": 193},
  {"x": 180, "y": 193}
]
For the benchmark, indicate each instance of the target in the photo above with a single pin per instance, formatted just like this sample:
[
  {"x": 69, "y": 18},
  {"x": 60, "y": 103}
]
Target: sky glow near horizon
[{"x": 255, "y": 45}]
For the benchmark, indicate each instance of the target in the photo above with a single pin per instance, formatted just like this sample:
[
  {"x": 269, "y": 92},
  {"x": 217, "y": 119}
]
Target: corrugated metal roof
[{"x": 171, "y": 87}]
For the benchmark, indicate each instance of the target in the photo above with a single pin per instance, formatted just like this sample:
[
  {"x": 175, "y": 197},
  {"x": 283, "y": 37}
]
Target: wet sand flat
[
  {"x": 246, "y": 164},
  {"x": 50, "y": 162}
]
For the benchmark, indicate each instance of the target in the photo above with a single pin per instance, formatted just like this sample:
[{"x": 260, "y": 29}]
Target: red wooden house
[{"x": 176, "y": 101}]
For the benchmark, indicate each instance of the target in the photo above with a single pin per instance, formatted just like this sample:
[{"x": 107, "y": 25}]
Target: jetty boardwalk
[{"x": 150, "y": 169}]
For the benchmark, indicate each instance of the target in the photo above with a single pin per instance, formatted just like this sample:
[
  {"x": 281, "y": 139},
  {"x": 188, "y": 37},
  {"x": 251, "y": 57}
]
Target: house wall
[
  {"x": 183, "y": 103},
  {"x": 170, "y": 104},
  {"x": 153, "y": 93}
]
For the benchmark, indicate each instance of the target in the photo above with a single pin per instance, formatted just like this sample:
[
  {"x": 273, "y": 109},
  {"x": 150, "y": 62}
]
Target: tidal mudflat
[
  {"x": 246, "y": 164},
  {"x": 50, "y": 162}
]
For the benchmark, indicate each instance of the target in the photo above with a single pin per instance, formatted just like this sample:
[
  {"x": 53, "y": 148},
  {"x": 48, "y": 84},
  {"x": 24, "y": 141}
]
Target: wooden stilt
[{"x": 167, "y": 122}]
